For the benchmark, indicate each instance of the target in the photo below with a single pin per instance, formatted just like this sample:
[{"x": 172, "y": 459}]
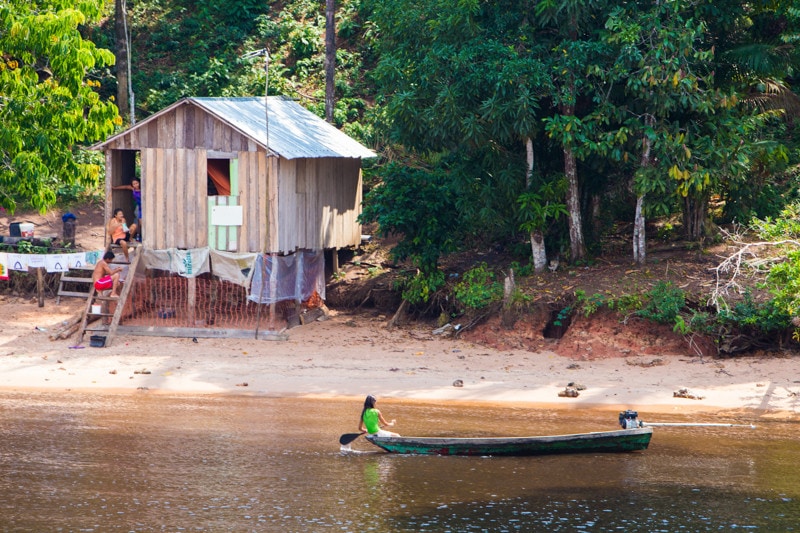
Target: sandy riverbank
[{"x": 352, "y": 355}]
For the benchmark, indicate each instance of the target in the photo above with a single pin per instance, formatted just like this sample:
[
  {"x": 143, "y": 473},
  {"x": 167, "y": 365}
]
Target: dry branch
[{"x": 745, "y": 261}]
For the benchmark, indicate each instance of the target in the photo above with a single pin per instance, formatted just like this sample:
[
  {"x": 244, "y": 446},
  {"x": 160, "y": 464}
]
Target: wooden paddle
[
  {"x": 347, "y": 438},
  {"x": 693, "y": 424}
]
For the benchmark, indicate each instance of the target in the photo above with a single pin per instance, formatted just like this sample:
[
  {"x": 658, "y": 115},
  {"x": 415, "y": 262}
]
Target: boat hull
[{"x": 626, "y": 440}]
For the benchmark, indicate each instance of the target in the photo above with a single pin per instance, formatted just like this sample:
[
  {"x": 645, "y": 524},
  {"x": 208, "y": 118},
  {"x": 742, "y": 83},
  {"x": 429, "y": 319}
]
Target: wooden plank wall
[
  {"x": 320, "y": 200},
  {"x": 176, "y": 182},
  {"x": 253, "y": 190}
]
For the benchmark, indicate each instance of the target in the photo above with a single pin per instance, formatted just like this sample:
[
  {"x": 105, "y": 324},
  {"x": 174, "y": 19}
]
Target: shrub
[
  {"x": 663, "y": 303},
  {"x": 478, "y": 288}
]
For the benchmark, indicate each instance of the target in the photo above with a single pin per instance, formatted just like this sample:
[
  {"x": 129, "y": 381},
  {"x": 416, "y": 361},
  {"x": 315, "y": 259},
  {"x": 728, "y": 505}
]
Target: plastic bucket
[
  {"x": 25, "y": 229},
  {"x": 97, "y": 309}
]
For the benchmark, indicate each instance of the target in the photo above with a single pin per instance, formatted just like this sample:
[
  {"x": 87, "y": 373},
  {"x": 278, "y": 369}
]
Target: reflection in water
[{"x": 72, "y": 462}]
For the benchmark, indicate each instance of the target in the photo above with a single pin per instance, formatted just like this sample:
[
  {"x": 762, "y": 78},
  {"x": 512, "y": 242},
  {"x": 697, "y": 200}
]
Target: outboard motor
[{"x": 629, "y": 419}]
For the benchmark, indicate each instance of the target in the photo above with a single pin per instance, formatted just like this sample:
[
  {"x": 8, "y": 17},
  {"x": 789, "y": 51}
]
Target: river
[{"x": 146, "y": 462}]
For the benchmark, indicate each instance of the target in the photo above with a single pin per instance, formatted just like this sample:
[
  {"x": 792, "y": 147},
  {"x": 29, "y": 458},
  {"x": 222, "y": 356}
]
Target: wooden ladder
[
  {"x": 65, "y": 278},
  {"x": 110, "y": 330}
]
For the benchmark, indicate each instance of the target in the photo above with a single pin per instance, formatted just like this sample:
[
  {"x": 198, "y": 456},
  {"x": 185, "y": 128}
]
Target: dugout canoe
[{"x": 625, "y": 440}]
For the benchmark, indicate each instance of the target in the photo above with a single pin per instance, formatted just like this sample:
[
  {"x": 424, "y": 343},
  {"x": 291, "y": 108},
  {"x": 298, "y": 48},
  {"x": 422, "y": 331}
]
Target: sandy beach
[{"x": 352, "y": 355}]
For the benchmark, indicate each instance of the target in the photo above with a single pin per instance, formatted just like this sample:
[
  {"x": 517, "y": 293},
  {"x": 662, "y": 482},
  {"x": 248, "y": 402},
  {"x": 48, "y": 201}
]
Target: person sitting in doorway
[
  {"x": 120, "y": 232},
  {"x": 106, "y": 278}
]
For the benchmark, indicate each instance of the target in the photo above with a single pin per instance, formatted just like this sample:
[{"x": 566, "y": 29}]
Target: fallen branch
[{"x": 733, "y": 267}]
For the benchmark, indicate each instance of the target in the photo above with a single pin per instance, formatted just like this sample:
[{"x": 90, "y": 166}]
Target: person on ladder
[{"x": 106, "y": 278}]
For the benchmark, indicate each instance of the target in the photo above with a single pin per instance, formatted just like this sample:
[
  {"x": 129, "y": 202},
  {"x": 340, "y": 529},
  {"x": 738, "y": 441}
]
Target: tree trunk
[
  {"x": 538, "y": 252},
  {"x": 121, "y": 37},
  {"x": 330, "y": 57},
  {"x": 639, "y": 243},
  {"x": 639, "y": 236},
  {"x": 694, "y": 217},
  {"x": 577, "y": 247},
  {"x": 595, "y": 216}
]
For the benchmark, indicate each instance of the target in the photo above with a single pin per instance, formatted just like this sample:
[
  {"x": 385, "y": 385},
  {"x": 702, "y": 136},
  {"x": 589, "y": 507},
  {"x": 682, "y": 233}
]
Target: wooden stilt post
[
  {"x": 273, "y": 291},
  {"x": 40, "y": 285},
  {"x": 191, "y": 300},
  {"x": 261, "y": 292}
]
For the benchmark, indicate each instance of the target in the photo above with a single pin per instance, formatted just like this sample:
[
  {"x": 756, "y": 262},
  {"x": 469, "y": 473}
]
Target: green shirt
[{"x": 371, "y": 421}]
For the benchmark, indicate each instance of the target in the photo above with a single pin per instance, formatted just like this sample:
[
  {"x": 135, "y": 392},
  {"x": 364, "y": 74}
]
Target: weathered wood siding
[
  {"x": 174, "y": 185},
  {"x": 253, "y": 194},
  {"x": 176, "y": 212},
  {"x": 186, "y": 126},
  {"x": 319, "y": 201}
]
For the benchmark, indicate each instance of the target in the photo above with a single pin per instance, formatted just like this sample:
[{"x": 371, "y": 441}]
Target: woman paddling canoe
[{"x": 372, "y": 420}]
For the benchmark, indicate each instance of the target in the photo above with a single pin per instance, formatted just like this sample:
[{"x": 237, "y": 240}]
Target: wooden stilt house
[
  {"x": 266, "y": 179},
  {"x": 232, "y": 175}
]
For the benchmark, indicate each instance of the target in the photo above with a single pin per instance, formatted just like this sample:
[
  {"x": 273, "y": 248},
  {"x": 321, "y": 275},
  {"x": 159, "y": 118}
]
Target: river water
[{"x": 145, "y": 462}]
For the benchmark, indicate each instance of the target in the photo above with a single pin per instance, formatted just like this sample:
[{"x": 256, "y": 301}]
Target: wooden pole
[
  {"x": 691, "y": 424},
  {"x": 273, "y": 291},
  {"x": 335, "y": 261},
  {"x": 40, "y": 285},
  {"x": 261, "y": 292},
  {"x": 191, "y": 302}
]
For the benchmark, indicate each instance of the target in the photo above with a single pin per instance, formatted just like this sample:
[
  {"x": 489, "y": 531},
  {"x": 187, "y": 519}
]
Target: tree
[
  {"x": 461, "y": 83},
  {"x": 330, "y": 58},
  {"x": 537, "y": 206},
  {"x": 121, "y": 35},
  {"x": 570, "y": 29},
  {"x": 48, "y": 103},
  {"x": 664, "y": 71}
]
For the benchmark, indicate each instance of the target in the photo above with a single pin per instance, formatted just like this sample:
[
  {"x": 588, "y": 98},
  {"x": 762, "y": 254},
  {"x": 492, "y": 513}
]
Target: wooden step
[
  {"x": 80, "y": 280},
  {"x": 75, "y": 280},
  {"x": 73, "y": 293}
]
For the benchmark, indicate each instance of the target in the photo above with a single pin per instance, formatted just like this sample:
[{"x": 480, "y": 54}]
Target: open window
[{"x": 219, "y": 177}]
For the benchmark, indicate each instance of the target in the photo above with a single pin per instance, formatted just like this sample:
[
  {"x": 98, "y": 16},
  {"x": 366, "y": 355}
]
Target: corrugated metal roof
[{"x": 294, "y": 131}]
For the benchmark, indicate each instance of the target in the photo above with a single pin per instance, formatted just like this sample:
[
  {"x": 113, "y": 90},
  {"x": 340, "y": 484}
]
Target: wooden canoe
[{"x": 625, "y": 440}]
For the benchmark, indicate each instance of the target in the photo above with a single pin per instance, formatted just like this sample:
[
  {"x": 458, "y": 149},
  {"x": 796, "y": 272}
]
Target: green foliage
[
  {"x": 590, "y": 304},
  {"x": 24, "y": 247},
  {"x": 626, "y": 303},
  {"x": 786, "y": 226},
  {"x": 49, "y": 105},
  {"x": 663, "y": 303},
  {"x": 420, "y": 287},
  {"x": 537, "y": 207},
  {"x": 562, "y": 316},
  {"x": 767, "y": 316},
  {"x": 419, "y": 205},
  {"x": 783, "y": 282},
  {"x": 521, "y": 270},
  {"x": 478, "y": 288}
]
